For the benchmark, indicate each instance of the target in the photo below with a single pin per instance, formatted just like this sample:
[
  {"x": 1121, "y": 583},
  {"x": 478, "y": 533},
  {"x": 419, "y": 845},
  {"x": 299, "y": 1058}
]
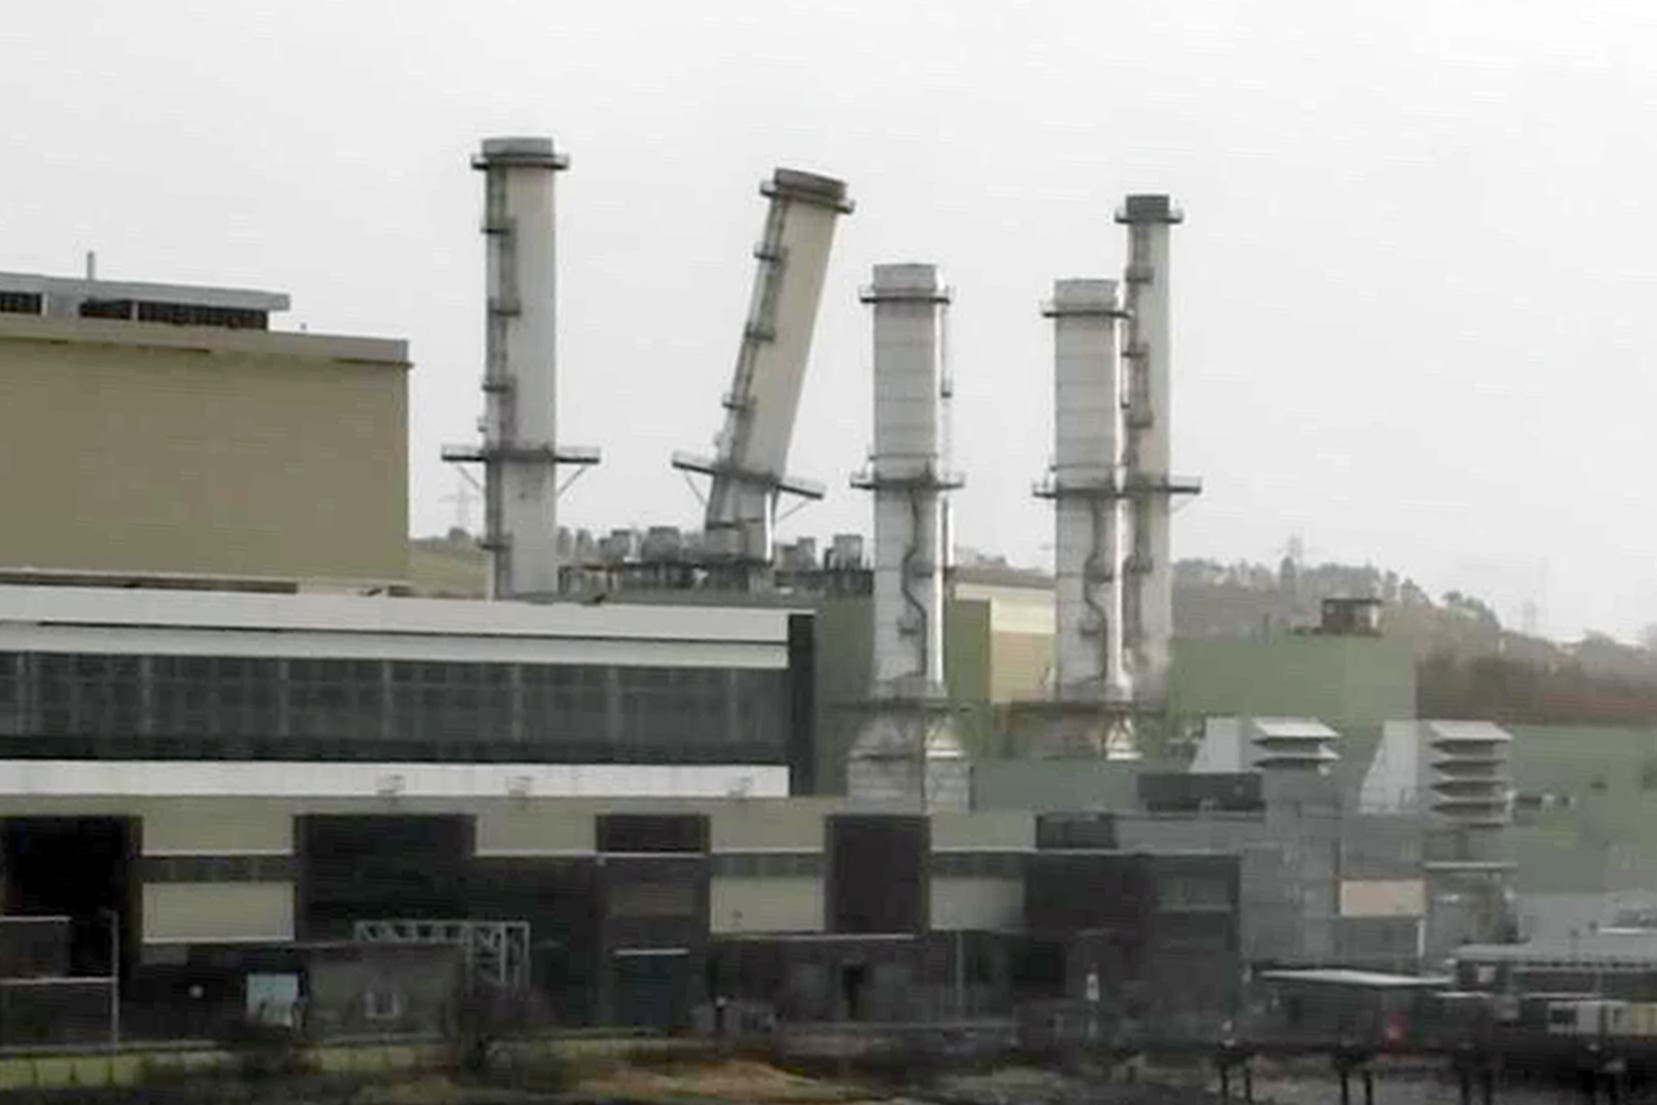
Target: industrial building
[
  {"x": 234, "y": 779},
  {"x": 648, "y": 775},
  {"x": 208, "y": 449}
]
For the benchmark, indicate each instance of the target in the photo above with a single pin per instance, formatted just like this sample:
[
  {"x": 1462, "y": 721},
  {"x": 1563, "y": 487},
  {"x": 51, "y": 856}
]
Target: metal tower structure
[
  {"x": 520, "y": 453},
  {"x": 1148, "y": 611},
  {"x": 748, "y": 469},
  {"x": 1091, "y": 684},
  {"x": 908, "y": 748}
]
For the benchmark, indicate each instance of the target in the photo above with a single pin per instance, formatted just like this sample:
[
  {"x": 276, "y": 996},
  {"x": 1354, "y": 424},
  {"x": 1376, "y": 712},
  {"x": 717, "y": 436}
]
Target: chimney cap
[
  {"x": 824, "y": 191},
  {"x": 905, "y": 281},
  {"x": 1149, "y": 208},
  {"x": 523, "y": 150},
  {"x": 1084, "y": 296}
]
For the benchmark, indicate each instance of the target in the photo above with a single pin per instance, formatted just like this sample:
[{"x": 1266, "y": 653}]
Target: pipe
[
  {"x": 1090, "y": 576},
  {"x": 922, "y": 620}
]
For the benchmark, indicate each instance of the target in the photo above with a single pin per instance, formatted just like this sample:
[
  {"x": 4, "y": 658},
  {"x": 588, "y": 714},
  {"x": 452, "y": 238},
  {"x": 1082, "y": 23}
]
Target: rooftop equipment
[
  {"x": 1457, "y": 773},
  {"x": 131, "y": 301},
  {"x": 520, "y": 451},
  {"x": 748, "y": 468}
]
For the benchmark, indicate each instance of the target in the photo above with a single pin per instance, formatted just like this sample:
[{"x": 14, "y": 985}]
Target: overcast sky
[{"x": 1412, "y": 298}]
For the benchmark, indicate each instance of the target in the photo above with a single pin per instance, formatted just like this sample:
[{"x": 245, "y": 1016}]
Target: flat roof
[
  {"x": 1590, "y": 947},
  {"x": 228, "y": 623},
  {"x": 1293, "y": 728},
  {"x": 387, "y": 352},
  {"x": 137, "y": 608},
  {"x": 1346, "y": 976},
  {"x": 1476, "y": 732},
  {"x": 198, "y": 295},
  {"x": 385, "y": 780}
]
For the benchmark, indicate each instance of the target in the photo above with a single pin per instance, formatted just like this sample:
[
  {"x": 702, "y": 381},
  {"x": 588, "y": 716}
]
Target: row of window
[
  {"x": 369, "y": 701},
  {"x": 1182, "y": 891},
  {"x": 978, "y": 865},
  {"x": 275, "y": 868},
  {"x": 768, "y": 865},
  {"x": 1008, "y": 865},
  {"x": 177, "y": 314}
]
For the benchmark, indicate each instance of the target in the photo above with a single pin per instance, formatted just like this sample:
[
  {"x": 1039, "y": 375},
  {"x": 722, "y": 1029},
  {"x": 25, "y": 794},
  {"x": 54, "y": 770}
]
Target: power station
[{"x": 245, "y": 775}]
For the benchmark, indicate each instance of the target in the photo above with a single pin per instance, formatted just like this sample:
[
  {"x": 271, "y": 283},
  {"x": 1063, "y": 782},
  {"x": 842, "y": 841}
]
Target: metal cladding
[
  {"x": 1456, "y": 775},
  {"x": 520, "y": 451},
  {"x": 1086, "y": 489},
  {"x": 750, "y": 463},
  {"x": 909, "y": 750},
  {"x": 1148, "y": 615}
]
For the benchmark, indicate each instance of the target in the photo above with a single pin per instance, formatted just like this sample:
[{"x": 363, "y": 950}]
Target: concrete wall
[
  {"x": 214, "y": 912},
  {"x": 215, "y": 825},
  {"x": 739, "y": 905},
  {"x": 217, "y": 870},
  {"x": 534, "y": 828},
  {"x": 160, "y": 449},
  {"x": 1021, "y": 784},
  {"x": 1383, "y": 898},
  {"x": 998, "y": 829},
  {"x": 996, "y": 905}
]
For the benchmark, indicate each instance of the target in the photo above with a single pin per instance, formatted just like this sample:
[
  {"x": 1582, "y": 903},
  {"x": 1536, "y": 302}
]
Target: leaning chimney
[
  {"x": 520, "y": 451},
  {"x": 749, "y": 468}
]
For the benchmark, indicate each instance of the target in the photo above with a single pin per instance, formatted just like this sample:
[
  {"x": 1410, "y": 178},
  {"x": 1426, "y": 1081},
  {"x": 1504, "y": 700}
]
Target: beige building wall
[
  {"x": 179, "y": 912},
  {"x": 977, "y": 903},
  {"x": 215, "y": 826},
  {"x": 737, "y": 905},
  {"x": 1383, "y": 898},
  {"x": 991, "y": 830},
  {"x": 168, "y": 450},
  {"x": 796, "y": 823},
  {"x": 534, "y": 829},
  {"x": 1022, "y": 622}
]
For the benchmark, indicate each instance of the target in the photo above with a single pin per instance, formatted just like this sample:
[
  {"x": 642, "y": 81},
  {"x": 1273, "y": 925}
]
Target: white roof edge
[
  {"x": 1306, "y": 728},
  {"x": 1354, "y": 977},
  {"x": 1467, "y": 730},
  {"x": 392, "y": 352},
  {"x": 116, "y": 608},
  {"x": 380, "y": 781}
]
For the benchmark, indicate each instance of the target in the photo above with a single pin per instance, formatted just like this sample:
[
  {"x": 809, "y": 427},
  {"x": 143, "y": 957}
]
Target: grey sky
[{"x": 1411, "y": 296}]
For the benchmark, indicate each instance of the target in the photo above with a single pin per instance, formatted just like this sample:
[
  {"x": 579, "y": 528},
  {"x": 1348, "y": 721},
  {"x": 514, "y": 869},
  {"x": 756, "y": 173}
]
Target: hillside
[
  {"x": 1467, "y": 664},
  {"x": 451, "y": 567}
]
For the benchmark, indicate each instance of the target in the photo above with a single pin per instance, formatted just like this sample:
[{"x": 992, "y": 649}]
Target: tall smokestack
[
  {"x": 749, "y": 468},
  {"x": 1148, "y": 586},
  {"x": 1086, "y": 488},
  {"x": 520, "y": 451},
  {"x": 907, "y": 473},
  {"x": 909, "y": 750}
]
